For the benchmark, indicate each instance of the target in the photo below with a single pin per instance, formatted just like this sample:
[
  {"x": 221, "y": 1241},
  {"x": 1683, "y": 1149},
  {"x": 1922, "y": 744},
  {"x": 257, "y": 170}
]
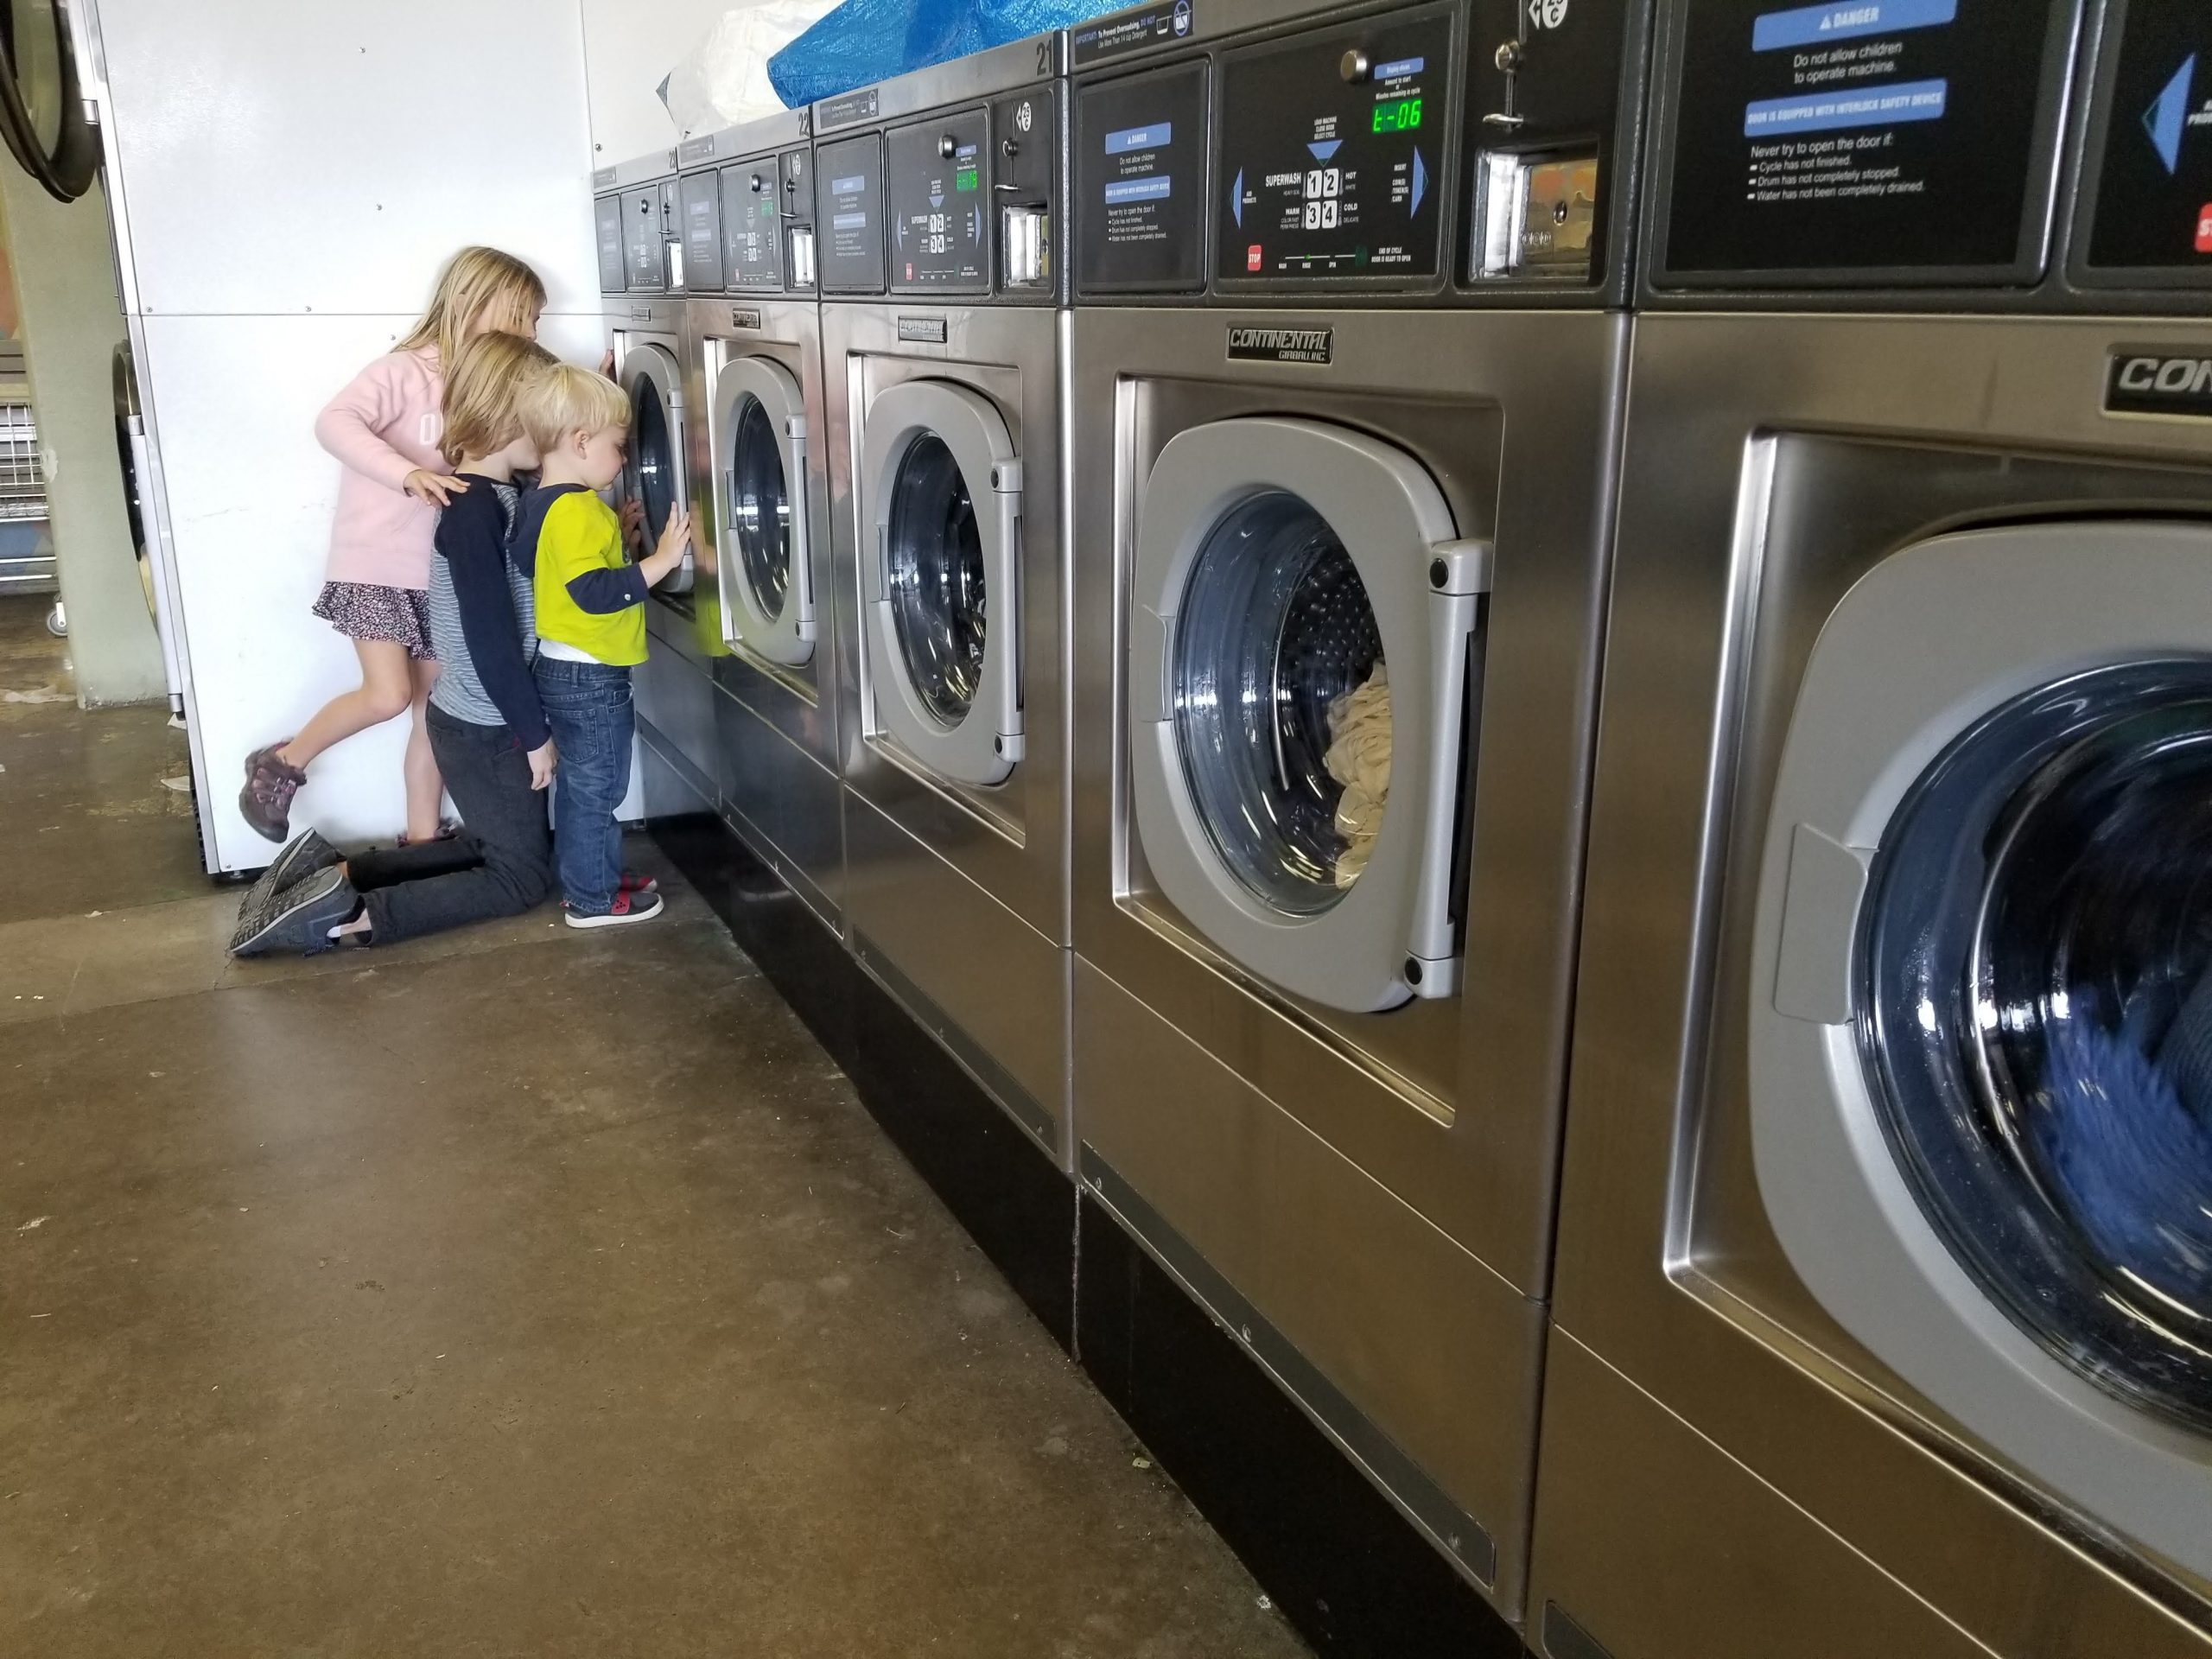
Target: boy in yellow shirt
[{"x": 591, "y": 630}]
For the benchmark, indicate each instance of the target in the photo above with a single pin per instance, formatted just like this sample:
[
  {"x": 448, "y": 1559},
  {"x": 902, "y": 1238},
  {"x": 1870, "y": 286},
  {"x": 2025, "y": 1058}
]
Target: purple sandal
[{"x": 266, "y": 801}]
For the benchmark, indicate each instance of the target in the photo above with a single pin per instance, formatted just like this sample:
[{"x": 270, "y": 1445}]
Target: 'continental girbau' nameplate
[
  {"x": 1248, "y": 343},
  {"x": 2154, "y": 381},
  {"x": 929, "y": 331}
]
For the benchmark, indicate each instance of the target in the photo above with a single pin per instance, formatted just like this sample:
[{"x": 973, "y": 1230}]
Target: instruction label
[{"x": 1858, "y": 136}]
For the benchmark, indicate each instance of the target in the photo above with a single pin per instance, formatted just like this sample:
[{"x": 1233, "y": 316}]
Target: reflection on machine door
[
  {"x": 43, "y": 116},
  {"x": 2038, "y": 954},
  {"x": 1306, "y": 656},
  {"x": 941, "y": 573},
  {"x": 760, "y": 509},
  {"x": 939, "y": 599},
  {"x": 652, "y": 472},
  {"x": 758, "y": 434}
]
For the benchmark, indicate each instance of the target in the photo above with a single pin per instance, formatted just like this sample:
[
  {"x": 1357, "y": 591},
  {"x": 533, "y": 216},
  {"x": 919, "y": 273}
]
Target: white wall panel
[
  {"x": 629, "y": 45},
  {"x": 286, "y": 156},
  {"x": 249, "y": 500}
]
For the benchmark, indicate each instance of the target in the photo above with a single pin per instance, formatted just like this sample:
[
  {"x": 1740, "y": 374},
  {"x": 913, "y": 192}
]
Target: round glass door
[
  {"x": 2035, "y": 951},
  {"x": 1280, "y": 704},
  {"x": 41, "y": 109},
  {"x": 933, "y": 560},
  {"x": 939, "y": 482},
  {"x": 652, "y": 456},
  {"x": 760, "y": 507},
  {"x": 35, "y": 44}
]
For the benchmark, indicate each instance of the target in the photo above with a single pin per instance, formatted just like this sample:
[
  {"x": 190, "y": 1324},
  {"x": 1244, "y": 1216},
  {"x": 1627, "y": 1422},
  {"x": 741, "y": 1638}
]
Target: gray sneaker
[
  {"x": 302, "y": 916},
  {"x": 300, "y": 859}
]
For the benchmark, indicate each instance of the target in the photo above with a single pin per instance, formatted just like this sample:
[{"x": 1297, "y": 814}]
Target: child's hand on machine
[
  {"x": 675, "y": 542},
  {"x": 543, "y": 764},
  {"x": 633, "y": 525}
]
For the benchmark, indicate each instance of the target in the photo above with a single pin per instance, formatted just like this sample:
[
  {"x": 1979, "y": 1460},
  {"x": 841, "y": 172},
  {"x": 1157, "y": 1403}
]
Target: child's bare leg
[
  {"x": 385, "y": 691},
  {"x": 425, "y": 788}
]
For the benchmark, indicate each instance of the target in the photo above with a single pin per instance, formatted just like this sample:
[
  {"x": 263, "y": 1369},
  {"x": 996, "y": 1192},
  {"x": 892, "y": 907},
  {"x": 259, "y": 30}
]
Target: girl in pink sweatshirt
[{"x": 386, "y": 428}]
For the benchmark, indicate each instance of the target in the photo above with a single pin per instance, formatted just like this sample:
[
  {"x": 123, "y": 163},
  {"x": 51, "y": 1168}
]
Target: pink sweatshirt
[{"x": 383, "y": 426}]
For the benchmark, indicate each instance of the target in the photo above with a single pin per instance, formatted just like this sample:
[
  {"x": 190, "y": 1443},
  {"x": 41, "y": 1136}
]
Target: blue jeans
[{"x": 589, "y": 709}]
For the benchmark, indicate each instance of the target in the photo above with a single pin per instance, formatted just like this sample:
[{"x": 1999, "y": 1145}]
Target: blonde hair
[
  {"x": 474, "y": 282},
  {"x": 488, "y": 377},
  {"x": 565, "y": 398}
]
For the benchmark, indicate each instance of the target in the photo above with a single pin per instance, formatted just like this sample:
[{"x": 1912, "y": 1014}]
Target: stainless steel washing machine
[
  {"x": 1883, "y": 1305},
  {"x": 1348, "y": 347},
  {"x": 937, "y": 199},
  {"x": 639, "y": 221},
  {"x": 758, "y": 493}
]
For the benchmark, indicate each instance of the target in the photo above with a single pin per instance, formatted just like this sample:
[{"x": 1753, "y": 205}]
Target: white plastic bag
[{"x": 723, "y": 79}]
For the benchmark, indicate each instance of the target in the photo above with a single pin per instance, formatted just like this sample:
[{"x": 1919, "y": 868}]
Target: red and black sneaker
[
  {"x": 633, "y": 882},
  {"x": 627, "y": 907}
]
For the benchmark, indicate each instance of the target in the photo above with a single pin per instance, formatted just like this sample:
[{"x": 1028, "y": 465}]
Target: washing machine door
[
  {"x": 42, "y": 114},
  {"x": 942, "y": 579},
  {"x": 652, "y": 472},
  {"x": 1303, "y": 645},
  {"x": 1981, "y": 1031},
  {"x": 767, "y": 578}
]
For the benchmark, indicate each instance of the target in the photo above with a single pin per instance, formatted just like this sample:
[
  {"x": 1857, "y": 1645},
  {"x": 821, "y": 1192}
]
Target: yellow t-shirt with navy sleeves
[{"x": 589, "y": 595}]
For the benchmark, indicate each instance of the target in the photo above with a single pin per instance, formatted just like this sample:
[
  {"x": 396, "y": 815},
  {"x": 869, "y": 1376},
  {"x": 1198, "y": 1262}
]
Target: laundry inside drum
[{"x": 1281, "y": 704}]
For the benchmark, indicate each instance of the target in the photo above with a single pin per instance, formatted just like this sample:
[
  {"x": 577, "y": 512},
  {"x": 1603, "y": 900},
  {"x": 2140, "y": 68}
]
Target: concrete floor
[{"x": 520, "y": 1292}]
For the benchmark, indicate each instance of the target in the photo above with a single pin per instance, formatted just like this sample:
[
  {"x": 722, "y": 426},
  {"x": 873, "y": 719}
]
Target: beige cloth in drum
[{"x": 1359, "y": 759}]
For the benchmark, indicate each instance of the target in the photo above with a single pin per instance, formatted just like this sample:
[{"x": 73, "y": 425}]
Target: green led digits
[{"x": 1397, "y": 115}]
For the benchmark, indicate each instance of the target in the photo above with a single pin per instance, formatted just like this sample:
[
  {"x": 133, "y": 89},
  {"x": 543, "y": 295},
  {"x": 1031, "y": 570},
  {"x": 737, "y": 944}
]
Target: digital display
[
  {"x": 1397, "y": 115},
  {"x": 964, "y": 179}
]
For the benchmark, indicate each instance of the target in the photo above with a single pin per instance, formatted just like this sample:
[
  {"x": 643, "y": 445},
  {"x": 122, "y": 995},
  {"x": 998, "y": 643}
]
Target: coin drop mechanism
[
  {"x": 1535, "y": 209},
  {"x": 1024, "y": 235}
]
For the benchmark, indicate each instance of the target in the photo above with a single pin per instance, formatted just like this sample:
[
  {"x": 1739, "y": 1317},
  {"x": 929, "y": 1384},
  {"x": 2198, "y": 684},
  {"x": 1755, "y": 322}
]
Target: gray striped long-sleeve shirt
[{"x": 484, "y": 615}]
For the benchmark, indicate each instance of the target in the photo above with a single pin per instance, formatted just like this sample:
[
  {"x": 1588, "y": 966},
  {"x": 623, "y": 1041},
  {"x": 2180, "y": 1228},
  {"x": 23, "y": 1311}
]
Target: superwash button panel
[
  {"x": 1333, "y": 148},
  {"x": 937, "y": 183}
]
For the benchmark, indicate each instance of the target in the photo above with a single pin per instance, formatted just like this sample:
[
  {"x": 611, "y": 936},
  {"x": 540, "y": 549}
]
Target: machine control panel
[
  {"x": 645, "y": 256},
  {"x": 848, "y": 215},
  {"x": 608, "y": 227},
  {"x": 938, "y": 199},
  {"x": 1025, "y": 190},
  {"x": 699, "y": 200},
  {"x": 753, "y": 224},
  {"x": 1862, "y": 140},
  {"x": 1335, "y": 148},
  {"x": 1140, "y": 183},
  {"x": 653, "y": 240},
  {"x": 2153, "y": 169}
]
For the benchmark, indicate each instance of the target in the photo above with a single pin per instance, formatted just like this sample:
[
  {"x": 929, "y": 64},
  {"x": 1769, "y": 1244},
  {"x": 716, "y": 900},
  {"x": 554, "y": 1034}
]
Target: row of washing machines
[{"x": 1532, "y": 680}]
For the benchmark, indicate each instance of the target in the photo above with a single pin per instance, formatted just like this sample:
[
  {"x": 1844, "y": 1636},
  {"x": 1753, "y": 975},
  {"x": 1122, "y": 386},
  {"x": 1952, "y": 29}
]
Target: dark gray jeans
[{"x": 501, "y": 864}]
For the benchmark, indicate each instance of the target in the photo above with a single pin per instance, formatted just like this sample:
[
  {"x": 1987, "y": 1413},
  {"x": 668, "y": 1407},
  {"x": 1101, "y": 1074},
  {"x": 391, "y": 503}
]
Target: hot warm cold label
[
  {"x": 848, "y": 215},
  {"x": 1331, "y": 146},
  {"x": 1856, "y": 136},
  {"x": 752, "y": 227},
  {"x": 938, "y": 185},
  {"x": 1140, "y": 181},
  {"x": 2154, "y": 181}
]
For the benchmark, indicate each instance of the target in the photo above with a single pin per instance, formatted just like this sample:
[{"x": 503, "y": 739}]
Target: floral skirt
[{"x": 365, "y": 610}]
